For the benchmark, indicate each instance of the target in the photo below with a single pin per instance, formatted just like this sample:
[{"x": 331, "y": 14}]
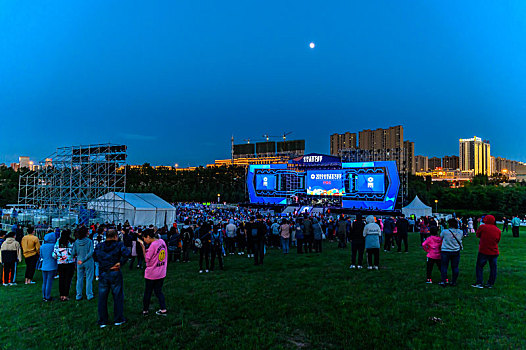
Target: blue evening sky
[{"x": 175, "y": 79}]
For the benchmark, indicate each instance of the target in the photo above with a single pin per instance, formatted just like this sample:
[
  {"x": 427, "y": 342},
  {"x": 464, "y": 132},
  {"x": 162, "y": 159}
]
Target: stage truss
[
  {"x": 390, "y": 154},
  {"x": 74, "y": 179}
]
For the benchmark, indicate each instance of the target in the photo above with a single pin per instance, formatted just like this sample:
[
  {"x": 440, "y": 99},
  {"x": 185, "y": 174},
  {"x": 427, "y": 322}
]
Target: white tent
[
  {"x": 138, "y": 208},
  {"x": 417, "y": 208}
]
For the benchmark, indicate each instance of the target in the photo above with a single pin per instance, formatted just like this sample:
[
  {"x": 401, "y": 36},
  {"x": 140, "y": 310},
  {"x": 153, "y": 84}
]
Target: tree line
[
  {"x": 479, "y": 196},
  {"x": 200, "y": 185}
]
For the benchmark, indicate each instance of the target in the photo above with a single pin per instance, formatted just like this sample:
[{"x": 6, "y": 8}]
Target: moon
[{"x": 311, "y": 45}]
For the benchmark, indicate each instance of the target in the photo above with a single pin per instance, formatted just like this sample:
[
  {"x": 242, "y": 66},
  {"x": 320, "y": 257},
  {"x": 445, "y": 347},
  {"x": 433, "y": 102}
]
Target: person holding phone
[{"x": 156, "y": 263}]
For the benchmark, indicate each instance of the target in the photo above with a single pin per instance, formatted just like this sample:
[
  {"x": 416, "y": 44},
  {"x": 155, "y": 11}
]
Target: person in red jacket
[{"x": 489, "y": 236}]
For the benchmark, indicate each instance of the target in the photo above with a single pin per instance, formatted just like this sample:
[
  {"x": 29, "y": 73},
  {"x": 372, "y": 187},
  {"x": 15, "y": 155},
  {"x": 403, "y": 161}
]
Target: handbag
[
  {"x": 39, "y": 263},
  {"x": 456, "y": 239}
]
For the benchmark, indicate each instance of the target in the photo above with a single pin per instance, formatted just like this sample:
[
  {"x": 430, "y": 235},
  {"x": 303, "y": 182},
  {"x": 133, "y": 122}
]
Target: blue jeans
[
  {"x": 445, "y": 258},
  {"x": 85, "y": 271},
  {"x": 47, "y": 283},
  {"x": 111, "y": 281},
  {"x": 482, "y": 259},
  {"x": 285, "y": 244}
]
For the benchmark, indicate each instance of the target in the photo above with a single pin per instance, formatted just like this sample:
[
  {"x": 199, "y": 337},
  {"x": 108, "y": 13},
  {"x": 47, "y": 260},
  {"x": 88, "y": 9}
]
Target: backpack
[{"x": 187, "y": 235}]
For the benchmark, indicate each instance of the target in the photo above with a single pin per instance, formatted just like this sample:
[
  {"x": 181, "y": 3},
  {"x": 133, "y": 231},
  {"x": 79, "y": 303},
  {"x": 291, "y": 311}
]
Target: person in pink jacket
[{"x": 432, "y": 246}]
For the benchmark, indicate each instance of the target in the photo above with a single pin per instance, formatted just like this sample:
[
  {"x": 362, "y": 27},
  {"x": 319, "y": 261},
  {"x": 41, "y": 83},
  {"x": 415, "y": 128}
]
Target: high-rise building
[
  {"x": 379, "y": 139},
  {"x": 376, "y": 145},
  {"x": 409, "y": 154},
  {"x": 421, "y": 163},
  {"x": 507, "y": 166},
  {"x": 342, "y": 141},
  {"x": 475, "y": 154},
  {"x": 450, "y": 163},
  {"x": 24, "y": 162},
  {"x": 493, "y": 165},
  {"x": 434, "y": 163}
]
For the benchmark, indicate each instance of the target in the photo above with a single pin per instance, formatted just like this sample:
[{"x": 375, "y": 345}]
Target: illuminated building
[
  {"x": 450, "y": 162},
  {"x": 24, "y": 162},
  {"x": 434, "y": 163},
  {"x": 475, "y": 155},
  {"x": 342, "y": 141},
  {"x": 421, "y": 163},
  {"x": 245, "y": 162}
]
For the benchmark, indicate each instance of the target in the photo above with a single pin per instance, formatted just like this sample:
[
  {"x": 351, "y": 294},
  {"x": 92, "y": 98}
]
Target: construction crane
[{"x": 285, "y": 134}]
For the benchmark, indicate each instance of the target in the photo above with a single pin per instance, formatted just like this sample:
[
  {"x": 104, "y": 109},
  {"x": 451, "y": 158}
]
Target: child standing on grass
[{"x": 432, "y": 246}]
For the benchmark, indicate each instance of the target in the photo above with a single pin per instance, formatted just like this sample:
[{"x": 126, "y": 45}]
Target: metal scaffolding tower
[
  {"x": 389, "y": 154},
  {"x": 74, "y": 179}
]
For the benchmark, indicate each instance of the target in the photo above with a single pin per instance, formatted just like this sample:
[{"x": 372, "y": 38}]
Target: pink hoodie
[{"x": 432, "y": 246}]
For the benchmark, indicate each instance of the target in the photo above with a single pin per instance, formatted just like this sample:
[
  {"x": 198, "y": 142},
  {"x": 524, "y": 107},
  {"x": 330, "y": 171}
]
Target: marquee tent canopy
[
  {"x": 417, "y": 208},
  {"x": 138, "y": 208}
]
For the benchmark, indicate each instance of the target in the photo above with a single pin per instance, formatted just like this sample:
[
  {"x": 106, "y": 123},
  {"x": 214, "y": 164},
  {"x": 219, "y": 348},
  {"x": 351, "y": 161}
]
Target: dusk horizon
[{"x": 174, "y": 82}]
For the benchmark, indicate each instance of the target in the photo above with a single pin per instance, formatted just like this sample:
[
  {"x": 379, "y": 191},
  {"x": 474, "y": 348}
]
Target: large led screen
[
  {"x": 265, "y": 182},
  {"x": 325, "y": 183},
  {"x": 370, "y": 183}
]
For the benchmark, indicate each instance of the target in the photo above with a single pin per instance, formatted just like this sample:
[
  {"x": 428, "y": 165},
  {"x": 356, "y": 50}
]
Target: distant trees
[
  {"x": 201, "y": 184},
  {"x": 479, "y": 196},
  {"x": 8, "y": 186}
]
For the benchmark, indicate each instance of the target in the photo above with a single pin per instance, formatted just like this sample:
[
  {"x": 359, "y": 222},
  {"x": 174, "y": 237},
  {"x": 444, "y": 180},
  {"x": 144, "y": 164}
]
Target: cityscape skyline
[
  {"x": 395, "y": 138},
  {"x": 174, "y": 89}
]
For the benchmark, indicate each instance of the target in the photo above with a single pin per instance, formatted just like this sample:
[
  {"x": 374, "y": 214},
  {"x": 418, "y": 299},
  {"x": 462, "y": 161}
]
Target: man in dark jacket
[
  {"x": 110, "y": 254},
  {"x": 258, "y": 231},
  {"x": 342, "y": 232},
  {"x": 187, "y": 235},
  {"x": 402, "y": 227},
  {"x": 389, "y": 226},
  {"x": 489, "y": 235},
  {"x": 308, "y": 234},
  {"x": 357, "y": 242}
]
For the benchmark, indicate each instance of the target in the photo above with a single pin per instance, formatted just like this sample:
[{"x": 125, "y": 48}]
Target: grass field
[{"x": 295, "y": 301}]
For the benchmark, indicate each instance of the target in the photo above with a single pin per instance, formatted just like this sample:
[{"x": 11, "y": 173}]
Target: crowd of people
[{"x": 100, "y": 251}]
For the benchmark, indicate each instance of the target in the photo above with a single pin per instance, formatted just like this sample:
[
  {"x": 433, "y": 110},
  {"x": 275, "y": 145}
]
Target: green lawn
[{"x": 308, "y": 301}]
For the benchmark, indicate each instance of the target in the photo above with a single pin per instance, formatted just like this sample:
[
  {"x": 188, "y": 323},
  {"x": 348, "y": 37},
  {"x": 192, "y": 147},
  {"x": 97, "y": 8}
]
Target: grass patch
[{"x": 292, "y": 302}]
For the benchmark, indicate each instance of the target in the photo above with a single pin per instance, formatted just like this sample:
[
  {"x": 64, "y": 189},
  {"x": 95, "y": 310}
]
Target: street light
[{"x": 436, "y": 206}]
